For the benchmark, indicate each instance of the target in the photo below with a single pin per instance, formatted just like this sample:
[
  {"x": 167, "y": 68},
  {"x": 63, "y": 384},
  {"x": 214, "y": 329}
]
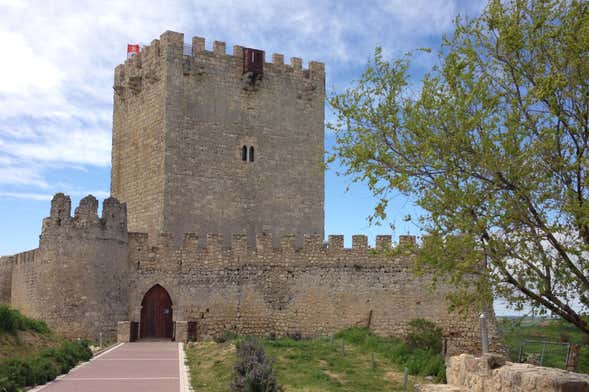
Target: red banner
[{"x": 132, "y": 49}]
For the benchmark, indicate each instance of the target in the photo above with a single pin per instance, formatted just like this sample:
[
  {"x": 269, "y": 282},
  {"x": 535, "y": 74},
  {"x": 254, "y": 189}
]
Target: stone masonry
[
  {"x": 491, "y": 373},
  {"x": 186, "y": 122},
  {"x": 180, "y": 122}
]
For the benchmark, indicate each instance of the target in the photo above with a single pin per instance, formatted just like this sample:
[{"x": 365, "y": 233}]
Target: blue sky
[{"x": 56, "y": 80}]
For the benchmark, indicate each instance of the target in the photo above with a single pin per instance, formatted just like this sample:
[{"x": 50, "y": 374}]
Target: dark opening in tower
[{"x": 253, "y": 61}]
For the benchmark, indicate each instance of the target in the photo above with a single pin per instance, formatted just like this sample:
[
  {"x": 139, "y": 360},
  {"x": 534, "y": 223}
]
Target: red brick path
[{"x": 145, "y": 367}]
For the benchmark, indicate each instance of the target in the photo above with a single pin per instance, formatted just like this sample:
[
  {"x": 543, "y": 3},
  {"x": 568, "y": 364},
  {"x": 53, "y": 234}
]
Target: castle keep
[
  {"x": 181, "y": 123},
  {"x": 229, "y": 144}
]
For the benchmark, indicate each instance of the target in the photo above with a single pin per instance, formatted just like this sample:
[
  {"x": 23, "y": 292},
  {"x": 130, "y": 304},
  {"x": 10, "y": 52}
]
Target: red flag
[{"x": 132, "y": 49}]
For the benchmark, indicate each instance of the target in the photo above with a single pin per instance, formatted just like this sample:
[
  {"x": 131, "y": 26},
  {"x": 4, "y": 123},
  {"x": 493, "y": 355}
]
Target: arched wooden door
[{"x": 156, "y": 314}]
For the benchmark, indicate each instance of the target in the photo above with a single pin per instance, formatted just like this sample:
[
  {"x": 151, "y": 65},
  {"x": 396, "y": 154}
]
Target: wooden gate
[{"x": 156, "y": 314}]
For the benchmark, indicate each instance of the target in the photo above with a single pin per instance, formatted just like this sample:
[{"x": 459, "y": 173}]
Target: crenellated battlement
[
  {"x": 25, "y": 257},
  {"x": 165, "y": 251},
  {"x": 142, "y": 67},
  {"x": 112, "y": 223},
  {"x": 264, "y": 241}
]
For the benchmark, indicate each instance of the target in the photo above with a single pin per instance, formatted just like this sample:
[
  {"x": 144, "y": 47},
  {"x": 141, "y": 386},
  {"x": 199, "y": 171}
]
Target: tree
[{"x": 493, "y": 146}]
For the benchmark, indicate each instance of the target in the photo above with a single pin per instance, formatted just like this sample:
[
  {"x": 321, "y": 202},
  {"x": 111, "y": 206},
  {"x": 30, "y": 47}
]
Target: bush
[
  {"x": 296, "y": 335},
  {"x": 225, "y": 336},
  {"x": 18, "y": 373},
  {"x": 253, "y": 371},
  {"x": 12, "y": 320},
  {"x": 425, "y": 363},
  {"x": 424, "y": 334}
]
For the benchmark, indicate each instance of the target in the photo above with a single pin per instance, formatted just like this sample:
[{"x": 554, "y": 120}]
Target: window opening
[
  {"x": 251, "y": 153},
  {"x": 244, "y": 153}
]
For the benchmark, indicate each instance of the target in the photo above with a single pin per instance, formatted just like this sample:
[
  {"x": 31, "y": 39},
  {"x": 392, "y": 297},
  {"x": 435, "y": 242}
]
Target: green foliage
[
  {"x": 225, "y": 336},
  {"x": 11, "y": 320},
  {"x": 318, "y": 364},
  {"x": 253, "y": 369},
  {"x": 18, "y": 373},
  {"x": 424, "y": 334},
  {"x": 493, "y": 145},
  {"x": 515, "y": 331},
  {"x": 421, "y": 359}
]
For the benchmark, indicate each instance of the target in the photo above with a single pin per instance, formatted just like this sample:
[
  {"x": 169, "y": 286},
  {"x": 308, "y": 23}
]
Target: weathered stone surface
[
  {"x": 486, "y": 374},
  {"x": 77, "y": 280},
  {"x": 181, "y": 331},
  {"x": 123, "y": 332},
  {"x": 178, "y": 137},
  {"x": 438, "y": 388},
  {"x": 6, "y": 266}
]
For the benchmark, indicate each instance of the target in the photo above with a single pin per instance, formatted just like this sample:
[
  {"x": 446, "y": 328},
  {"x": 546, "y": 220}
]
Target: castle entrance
[{"x": 156, "y": 314}]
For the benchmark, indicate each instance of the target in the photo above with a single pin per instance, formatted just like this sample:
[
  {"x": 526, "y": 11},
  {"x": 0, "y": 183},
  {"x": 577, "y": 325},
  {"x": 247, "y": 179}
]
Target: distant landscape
[{"x": 517, "y": 329}]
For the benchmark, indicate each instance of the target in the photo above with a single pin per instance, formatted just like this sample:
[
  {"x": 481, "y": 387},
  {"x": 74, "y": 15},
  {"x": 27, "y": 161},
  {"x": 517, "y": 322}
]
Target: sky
[{"x": 56, "y": 78}]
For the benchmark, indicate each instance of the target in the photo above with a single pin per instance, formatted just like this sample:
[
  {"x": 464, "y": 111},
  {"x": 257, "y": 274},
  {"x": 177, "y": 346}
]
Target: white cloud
[
  {"x": 83, "y": 146},
  {"x": 421, "y": 16},
  {"x": 23, "y": 71},
  {"x": 22, "y": 175},
  {"x": 56, "y": 79},
  {"x": 100, "y": 195},
  {"x": 26, "y": 196}
]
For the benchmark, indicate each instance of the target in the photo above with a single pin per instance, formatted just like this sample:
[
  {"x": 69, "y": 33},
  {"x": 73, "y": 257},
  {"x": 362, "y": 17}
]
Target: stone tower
[{"x": 204, "y": 141}]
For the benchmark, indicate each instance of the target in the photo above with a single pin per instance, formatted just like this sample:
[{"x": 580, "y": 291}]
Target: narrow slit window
[
  {"x": 251, "y": 153},
  {"x": 244, "y": 153}
]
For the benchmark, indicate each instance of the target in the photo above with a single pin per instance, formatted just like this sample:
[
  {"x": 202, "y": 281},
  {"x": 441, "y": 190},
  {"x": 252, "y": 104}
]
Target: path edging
[
  {"x": 37, "y": 388},
  {"x": 183, "y": 370}
]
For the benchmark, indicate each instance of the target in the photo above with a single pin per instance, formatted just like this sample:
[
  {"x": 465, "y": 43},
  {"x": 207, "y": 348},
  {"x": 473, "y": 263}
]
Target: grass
[
  {"x": 22, "y": 337},
  {"x": 517, "y": 330},
  {"x": 11, "y": 321},
  {"x": 30, "y": 353},
  {"x": 315, "y": 365},
  {"x": 23, "y": 344}
]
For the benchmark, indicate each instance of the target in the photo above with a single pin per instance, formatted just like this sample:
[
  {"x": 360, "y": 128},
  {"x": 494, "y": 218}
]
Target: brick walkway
[{"x": 145, "y": 366}]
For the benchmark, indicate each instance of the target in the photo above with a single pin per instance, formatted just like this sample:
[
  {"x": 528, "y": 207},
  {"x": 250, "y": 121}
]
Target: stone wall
[
  {"x": 138, "y": 144},
  {"x": 23, "y": 278},
  {"x": 77, "y": 280},
  {"x": 491, "y": 373},
  {"x": 286, "y": 289},
  {"x": 181, "y": 121},
  {"x": 6, "y": 265},
  {"x": 88, "y": 274}
]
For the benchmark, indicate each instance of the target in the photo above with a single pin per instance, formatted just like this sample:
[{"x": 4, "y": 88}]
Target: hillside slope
[{"x": 31, "y": 354}]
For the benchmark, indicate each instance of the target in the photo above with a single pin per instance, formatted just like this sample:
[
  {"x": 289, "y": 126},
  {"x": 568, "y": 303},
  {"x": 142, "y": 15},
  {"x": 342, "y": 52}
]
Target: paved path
[{"x": 145, "y": 367}]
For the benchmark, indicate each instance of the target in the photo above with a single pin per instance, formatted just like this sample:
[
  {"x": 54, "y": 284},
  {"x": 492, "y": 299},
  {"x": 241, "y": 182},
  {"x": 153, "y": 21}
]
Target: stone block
[
  {"x": 437, "y": 388},
  {"x": 123, "y": 331},
  {"x": 181, "y": 331}
]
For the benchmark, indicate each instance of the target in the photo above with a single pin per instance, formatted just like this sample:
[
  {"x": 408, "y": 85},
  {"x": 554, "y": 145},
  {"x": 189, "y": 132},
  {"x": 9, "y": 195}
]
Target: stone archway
[{"x": 156, "y": 314}]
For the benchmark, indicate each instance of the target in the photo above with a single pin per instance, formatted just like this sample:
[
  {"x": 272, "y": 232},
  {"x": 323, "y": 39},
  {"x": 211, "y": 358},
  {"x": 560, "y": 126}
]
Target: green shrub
[
  {"x": 38, "y": 326},
  {"x": 424, "y": 363},
  {"x": 7, "y": 385},
  {"x": 12, "y": 320},
  {"x": 253, "y": 370},
  {"x": 295, "y": 335},
  {"x": 8, "y": 321},
  {"x": 424, "y": 334},
  {"x": 42, "y": 370},
  {"x": 225, "y": 336},
  {"x": 18, "y": 373}
]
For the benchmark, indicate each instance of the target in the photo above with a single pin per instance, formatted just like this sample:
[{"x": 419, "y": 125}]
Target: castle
[{"x": 209, "y": 142}]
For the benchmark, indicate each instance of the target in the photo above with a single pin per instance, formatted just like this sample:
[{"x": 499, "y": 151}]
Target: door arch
[{"x": 156, "y": 314}]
